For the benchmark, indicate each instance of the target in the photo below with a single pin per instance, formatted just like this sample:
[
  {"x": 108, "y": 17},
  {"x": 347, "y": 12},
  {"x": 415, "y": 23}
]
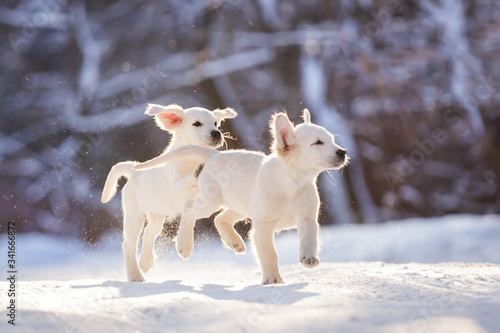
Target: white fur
[
  {"x": 277, "y": 192},
  {"x": 161, "y": 191}
]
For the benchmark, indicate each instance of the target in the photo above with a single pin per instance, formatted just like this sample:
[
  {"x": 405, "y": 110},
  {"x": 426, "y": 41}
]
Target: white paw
[
  {"x": 309, "y": 261},
  {"x": 136, "y": 277},
  {"x": 184, "y": 247},
  {"x": 271, "y": 279},
  {"x": 146, "y": 263},
  {"x": 238, "y": 246}
]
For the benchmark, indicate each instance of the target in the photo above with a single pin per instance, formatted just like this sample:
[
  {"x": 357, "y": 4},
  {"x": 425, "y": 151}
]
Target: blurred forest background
[{"x": 412, "y": 89}]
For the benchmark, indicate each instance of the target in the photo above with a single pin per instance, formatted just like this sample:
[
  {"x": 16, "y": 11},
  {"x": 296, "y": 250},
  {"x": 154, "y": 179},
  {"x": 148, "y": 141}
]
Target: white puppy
[
  {"x": 162, "y": 191},
  {"x": 277, "y": 192}
]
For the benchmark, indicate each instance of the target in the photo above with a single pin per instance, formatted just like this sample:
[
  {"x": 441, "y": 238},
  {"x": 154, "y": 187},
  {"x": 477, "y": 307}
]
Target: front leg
[
  {"x": 308, "y": 237},
  {"x": 200, "y": 208},
  {"x": 268, "y": 257},
  {"x": 184, "y": 241},
  {"x": 185, "y": 191}
]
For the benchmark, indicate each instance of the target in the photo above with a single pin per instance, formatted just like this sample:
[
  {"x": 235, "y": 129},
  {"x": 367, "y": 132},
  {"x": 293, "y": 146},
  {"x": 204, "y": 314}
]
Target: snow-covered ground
[{"x": 421, "y": 275}]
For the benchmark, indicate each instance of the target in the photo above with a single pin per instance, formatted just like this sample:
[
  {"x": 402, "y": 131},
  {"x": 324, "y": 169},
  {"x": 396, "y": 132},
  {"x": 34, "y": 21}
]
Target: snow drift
[{"x": 439, "y": 275}]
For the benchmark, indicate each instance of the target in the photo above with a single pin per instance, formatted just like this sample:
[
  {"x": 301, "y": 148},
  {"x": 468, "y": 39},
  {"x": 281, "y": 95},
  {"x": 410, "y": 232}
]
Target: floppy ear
[
  {"x": 226, "y": 113},
  {"x": 283, "y": 133},
  {"x": 306, "y": 116},
  {"x": 167, "y": 117}
]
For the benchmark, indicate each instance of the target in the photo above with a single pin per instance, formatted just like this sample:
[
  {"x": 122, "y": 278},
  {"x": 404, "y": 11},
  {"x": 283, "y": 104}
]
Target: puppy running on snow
[
  {"x": 277, "y": 191},
  {"x": 162, "y": 191}
]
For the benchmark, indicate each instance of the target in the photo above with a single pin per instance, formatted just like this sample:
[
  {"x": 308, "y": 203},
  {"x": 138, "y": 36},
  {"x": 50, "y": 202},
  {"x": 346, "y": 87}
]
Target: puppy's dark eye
[
  {"x": 319, "y": 142},
  {"x": 197, "y": 124},
  {"x": 215, "y": 124}
]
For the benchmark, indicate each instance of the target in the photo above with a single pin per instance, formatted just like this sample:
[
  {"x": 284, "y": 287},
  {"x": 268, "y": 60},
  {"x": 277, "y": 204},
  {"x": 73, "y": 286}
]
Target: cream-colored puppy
[
  {"x": 162, "y": 191},
  {"x": 277, "y": 191}
]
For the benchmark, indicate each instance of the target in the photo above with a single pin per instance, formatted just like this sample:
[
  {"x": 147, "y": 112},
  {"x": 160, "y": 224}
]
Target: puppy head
[
  {"x": 194, "y": 126},
  {"x": 307, "y": 146}
]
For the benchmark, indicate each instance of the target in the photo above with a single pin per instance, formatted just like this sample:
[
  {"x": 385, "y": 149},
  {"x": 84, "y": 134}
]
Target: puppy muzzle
[
  {"x": 340, "y": 159},
  {"x": 216, "y": 137}
]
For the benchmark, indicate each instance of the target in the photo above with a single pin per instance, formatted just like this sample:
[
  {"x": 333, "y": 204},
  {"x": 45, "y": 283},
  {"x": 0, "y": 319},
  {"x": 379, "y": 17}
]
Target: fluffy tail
[
  {"x": 189, "y": 151},
  {"x": 122, "y": 169}
]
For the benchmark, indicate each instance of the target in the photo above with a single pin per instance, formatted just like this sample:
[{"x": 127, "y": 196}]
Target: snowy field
[{"x": 421, "y": 275}]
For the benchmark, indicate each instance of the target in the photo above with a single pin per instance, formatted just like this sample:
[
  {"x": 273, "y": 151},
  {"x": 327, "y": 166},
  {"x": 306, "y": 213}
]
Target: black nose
[
  {"x": 215, "y": 135},
  {"x": 341, "y": 153}
]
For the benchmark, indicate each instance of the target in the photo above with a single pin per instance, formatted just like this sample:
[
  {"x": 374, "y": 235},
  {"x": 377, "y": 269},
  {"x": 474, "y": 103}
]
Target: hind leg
[
  {"x": 224, "y": 222},
  {"x": 155, "y": 224},
  {"x": 199, "y": 209},
  {"x": 132, "y": 227}
]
